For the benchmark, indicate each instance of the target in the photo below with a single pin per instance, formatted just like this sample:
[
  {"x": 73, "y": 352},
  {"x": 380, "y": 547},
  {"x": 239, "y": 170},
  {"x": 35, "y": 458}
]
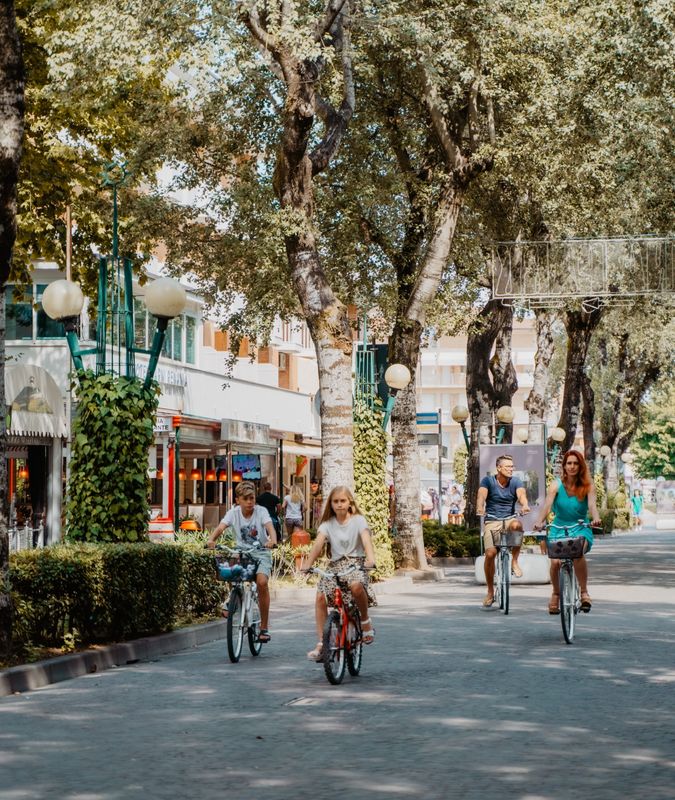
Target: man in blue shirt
[{"x": 497, "y": 497}]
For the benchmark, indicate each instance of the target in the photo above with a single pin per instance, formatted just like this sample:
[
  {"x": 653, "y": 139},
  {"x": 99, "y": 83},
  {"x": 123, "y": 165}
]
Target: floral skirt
[{"x": 359, "y": 575}]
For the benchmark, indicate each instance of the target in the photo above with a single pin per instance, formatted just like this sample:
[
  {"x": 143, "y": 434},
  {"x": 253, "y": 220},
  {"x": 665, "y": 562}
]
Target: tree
[
  {"x": 12, "y": 106},
  {"x": 654, "y": 443}
]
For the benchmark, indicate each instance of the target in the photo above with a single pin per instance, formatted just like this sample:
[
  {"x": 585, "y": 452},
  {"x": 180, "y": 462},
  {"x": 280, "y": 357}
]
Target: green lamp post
[{"x": 165, "y": 298}]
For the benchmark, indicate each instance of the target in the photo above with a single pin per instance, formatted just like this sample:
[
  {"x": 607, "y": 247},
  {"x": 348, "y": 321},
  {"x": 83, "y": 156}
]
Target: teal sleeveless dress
[{"x": 568, "y": 510}]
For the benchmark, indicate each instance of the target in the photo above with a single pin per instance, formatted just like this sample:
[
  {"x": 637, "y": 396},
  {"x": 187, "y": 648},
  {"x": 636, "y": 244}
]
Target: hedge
[
  {"x": 450, "y": 540},
  {"x": 92, "y": 593}
]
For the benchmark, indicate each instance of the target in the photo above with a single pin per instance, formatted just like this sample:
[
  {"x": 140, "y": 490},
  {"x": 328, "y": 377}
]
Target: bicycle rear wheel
[
  {"x": 497, "y": 582},
  {"x": 235, "y": 626},
  {"x": 355, "y": 645},
  {"x": 253, "y": 630},
  {"x": 505, "y": 580},
  {"x": 333, "y": 649},
  {"x": 567, "y": 605}
]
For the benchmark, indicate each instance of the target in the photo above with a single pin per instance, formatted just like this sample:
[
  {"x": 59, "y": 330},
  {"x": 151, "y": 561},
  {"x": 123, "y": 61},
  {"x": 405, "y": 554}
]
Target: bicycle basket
[
  {"x": 566, "y": 548},
  {"x": 511, "y": 538}
]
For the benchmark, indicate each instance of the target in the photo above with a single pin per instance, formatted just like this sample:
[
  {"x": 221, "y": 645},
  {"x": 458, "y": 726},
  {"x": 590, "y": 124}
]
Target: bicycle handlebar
[{"x": 243, "y": 550}]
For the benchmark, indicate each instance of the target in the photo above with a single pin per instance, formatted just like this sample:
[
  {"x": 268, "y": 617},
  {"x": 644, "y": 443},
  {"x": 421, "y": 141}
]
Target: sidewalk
[{"x": 26, "y": 677}]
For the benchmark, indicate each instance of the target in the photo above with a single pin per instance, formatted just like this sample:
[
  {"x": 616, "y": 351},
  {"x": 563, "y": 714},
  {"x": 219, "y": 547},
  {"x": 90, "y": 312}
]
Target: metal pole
[
  {"x": 176, "y": 496},
  {"x": 440, "y": 466}
]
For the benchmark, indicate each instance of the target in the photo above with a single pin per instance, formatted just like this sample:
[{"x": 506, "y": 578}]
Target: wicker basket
[
  {"x": 511, "y": 539},
  {"x": 566, "y": 548}
]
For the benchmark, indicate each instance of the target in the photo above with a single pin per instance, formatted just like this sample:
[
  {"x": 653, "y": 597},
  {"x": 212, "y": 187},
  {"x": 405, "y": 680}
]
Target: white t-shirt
[
  {"x": 293, "y": 510},
  {"x": 345, "y": 539},
  {"x": 249, "y": 531}
]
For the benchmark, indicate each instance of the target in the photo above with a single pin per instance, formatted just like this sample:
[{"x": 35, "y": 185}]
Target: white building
[{"x": 206, "y": 421}]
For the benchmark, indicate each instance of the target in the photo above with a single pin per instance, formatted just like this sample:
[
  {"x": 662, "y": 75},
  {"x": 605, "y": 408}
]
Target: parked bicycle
[
  {"x": 567, "y": 549},
  {"x": 239, "y": 568},
  {"x": 502, "y": 577},
  {"x": 342, "y": 636}
]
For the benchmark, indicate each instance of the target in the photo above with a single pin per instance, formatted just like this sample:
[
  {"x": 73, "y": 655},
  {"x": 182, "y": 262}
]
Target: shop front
[{"x": 36, "y": 429}]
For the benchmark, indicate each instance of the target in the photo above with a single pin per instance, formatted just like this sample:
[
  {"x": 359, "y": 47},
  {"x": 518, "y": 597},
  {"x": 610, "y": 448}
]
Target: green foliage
[
  {"x": 654, "y": 445},
  {"x": 459, "y": 464},
  {"x": 370, "y": 453},
  {"x": 85, "y": 593},
  {"x": 109, "y": 486},
  {"x": 443, "y": 541},
  {"x": 600, "y": 491}
]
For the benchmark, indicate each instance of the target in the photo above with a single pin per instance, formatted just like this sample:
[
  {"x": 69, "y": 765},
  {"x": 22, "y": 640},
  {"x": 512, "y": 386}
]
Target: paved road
[{"x": 454, "y": 701}]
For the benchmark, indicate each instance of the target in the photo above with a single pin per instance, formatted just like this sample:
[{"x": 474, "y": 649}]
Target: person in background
[
  {"x": 294, "y": 509},
  {"x": 272, "y": 503},
  {"x": 637, "y": 502},
  {"x": 456, "y": 505}
]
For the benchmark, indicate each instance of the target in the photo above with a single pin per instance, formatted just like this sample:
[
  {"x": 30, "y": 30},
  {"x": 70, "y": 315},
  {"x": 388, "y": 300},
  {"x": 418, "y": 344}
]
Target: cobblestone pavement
[{"x": 453, "y": 701}]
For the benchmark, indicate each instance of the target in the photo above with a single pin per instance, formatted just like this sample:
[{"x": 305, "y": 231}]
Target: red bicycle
[{"x": 342, "y": 635}]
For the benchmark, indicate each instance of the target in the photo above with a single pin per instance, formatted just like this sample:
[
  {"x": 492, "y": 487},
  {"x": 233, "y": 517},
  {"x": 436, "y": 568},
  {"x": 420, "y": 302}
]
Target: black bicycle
[{"x": 507, "y": 540}]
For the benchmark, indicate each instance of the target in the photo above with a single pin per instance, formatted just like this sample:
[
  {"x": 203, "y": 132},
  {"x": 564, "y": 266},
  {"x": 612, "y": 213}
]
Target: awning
[
  {"x": 300, "y": 449},
  {"x": 35, "y": 404}
]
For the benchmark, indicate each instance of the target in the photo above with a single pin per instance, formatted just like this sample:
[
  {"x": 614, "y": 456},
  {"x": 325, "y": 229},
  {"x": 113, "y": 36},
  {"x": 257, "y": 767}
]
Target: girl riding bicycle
[
  {"x": 572, "y": 498},
  {"x": 345, "y": 530}
]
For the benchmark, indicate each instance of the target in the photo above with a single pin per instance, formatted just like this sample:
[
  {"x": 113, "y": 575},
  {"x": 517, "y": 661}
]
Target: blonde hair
[
  {"x": 296, "y": 494},
  {"x": 328, "y": 512},
  {"x": 244, "y": 489}
]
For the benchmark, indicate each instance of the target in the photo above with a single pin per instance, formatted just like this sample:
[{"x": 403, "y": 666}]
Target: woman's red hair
[{"x": 582, "y": 485}]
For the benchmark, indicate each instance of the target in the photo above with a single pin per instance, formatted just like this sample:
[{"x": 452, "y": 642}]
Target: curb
[{"x": 26, "y": 677}]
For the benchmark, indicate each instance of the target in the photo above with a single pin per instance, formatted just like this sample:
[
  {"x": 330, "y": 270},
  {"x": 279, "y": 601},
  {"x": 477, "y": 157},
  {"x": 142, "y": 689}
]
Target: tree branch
[
  {"x": 330, "y": 13},
  {"x": 452, "y": 153}
]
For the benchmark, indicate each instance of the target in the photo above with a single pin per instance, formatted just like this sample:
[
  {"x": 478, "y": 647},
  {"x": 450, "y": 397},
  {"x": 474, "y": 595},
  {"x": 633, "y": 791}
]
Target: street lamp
[
  {"x": 558, "y": 436},
  {"x": 460, "y": 414},
  {"x": 522, "y": 434},
  {"x": 505, "y": 415},
  {"x": 63, "y": 301},
  {"x": 605, "y": 451},
  {"x": 397, "y": 377}
]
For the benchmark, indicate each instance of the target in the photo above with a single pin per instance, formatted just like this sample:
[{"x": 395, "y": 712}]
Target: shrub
[
  {"x": 93, "y": 593},
  {"x": 450, "y": 540}
]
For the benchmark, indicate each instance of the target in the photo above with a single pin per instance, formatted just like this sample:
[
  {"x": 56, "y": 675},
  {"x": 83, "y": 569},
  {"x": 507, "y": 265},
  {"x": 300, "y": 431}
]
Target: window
[
  {"x": 19, "y": 313},
  {"x": 140, "y": 324},
  {"x": 190, "y": 339},
  {"x": 177, "y": 332},
  {"x": 47, "y": 328}
]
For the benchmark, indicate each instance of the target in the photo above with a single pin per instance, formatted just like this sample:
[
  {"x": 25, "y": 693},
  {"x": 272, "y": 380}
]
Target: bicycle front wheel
[
  {"x": 567, "y": 605},
  {"x": 333, "y": 649},
  {"x": 235, "y": 624},
  {"x": 354, "y": 643},
  {"x": 505, "y": 580},
  {"x": 254, "y": 644}
]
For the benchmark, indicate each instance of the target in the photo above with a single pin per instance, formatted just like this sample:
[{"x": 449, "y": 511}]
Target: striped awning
[{"x": 35, "y": 405}]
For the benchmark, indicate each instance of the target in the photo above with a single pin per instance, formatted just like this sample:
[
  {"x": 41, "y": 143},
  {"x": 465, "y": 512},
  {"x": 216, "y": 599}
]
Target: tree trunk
[
  {"x": 588, "y": 420},
  {"x": 537, "y": 400},
  {"x": 504, "y": 377},
  {"x": 12, "y": 82},
  {"x": 404, "y": 349},
  {"x": 580, "y": 325},
  {"x": 294, "y": 174},
  {"x": 480, "y": 391}
]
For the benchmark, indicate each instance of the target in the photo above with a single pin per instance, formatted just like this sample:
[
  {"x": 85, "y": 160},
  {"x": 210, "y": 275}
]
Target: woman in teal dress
[
  {"x": 572, "y": 498},
  {"x": 637, "y": 501}
]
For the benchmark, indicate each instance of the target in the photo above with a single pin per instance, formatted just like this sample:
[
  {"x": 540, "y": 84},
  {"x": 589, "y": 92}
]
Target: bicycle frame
[
  {"x": 502, "y": 573},
  {"x": 568, "y": 586}
]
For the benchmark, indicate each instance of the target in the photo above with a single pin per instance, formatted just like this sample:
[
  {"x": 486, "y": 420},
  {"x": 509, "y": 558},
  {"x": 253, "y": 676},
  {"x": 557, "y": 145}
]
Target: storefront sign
[
  {"x": 234, "y": 430},
  {"x": 164, "y": 375},
  {"x": 162, "y": 425}
]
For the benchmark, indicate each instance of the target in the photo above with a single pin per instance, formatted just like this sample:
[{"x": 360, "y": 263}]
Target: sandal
[
  {"x": 367, "y": 637},
  {"x": 317, "y": 653},
  {"x": 516, "y": 570},
  {"x": 554, "y": 604},
  {"x": 586, "y": 602},
  {"x": 264, "y": 636},
  {"x": 489, "y": 601}
]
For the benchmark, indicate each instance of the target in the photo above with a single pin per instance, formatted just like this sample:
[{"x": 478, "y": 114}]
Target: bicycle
[
  {"x": 567, "y": 549},
  {"x": 342, "y": 636},
  {"x": 502, "y": 576},
  {"x": 243, "y": 608}
]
